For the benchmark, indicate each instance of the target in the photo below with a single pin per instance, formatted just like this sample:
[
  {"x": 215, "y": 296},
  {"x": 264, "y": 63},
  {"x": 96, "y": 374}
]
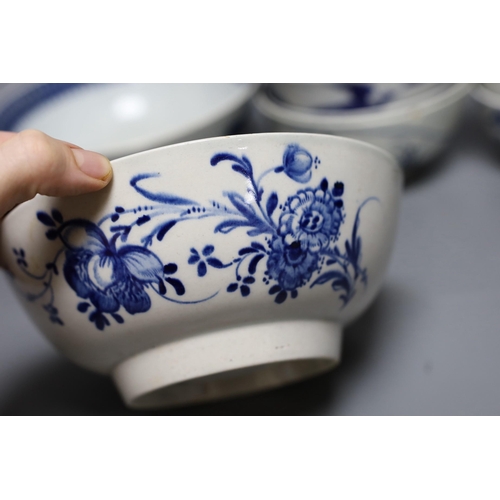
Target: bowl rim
[
  {"x": 391, "y": 161},
  {"x": 361, "y": 120},
  {"x": 264, "y": 135}
]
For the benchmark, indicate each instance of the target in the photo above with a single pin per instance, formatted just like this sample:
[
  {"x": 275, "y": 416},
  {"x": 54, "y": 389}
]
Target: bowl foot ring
[{"x": 228, "y": 363}]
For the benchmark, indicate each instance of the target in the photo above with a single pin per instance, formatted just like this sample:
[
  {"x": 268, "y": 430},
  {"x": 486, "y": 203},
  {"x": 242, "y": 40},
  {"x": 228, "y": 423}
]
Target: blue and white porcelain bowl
[
  {"x": 415, "y": 129},
  {"x": 210, "y": 268}
]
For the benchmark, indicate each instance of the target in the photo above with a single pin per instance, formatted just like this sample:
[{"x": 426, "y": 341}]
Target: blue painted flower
[
  {"x": 297, "y": 163},
  {"x": 109, "y": 277},
  {"x": 290, "y": 265},
  {"x": 312, "y": 217},
  {"x": 207, "y": 252}
]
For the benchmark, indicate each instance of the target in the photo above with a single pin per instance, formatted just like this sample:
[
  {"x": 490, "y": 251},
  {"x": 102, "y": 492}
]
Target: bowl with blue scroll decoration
[{"x": 213, "y": 268}]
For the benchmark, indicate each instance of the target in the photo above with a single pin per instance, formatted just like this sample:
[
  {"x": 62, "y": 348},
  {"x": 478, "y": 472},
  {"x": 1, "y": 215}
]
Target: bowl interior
[{"x": 119, "y": 119}]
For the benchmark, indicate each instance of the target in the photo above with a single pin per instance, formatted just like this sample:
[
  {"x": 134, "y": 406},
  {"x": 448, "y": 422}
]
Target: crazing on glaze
[{"x": 293, "y": 245}]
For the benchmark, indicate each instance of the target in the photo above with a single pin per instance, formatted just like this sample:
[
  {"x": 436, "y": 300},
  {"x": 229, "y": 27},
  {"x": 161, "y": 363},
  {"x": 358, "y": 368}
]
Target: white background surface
[{"x": 429, "y": 345}]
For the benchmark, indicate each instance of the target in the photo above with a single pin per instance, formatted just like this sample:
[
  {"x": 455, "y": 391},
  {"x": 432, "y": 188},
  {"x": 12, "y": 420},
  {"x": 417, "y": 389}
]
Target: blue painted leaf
[
  {"x": 99, "y": 319},
  {"x": 193, "y": 250},
  {"x": 142, "y": 220},
  {"x": 212, "y": 261},
  {"x": 244, "y": 208},
  {"x": 232, "y": 287},
  {"x": 245, "y": 290},
  {"x": 115, "y": 217},
  {"x": 249, "y": 280},
  {"x": 45, "y": 218},
  {"x": 341, "y": 283},
  {"x": 228, "y": 225},
  {"x": 240, "y": 170},
  {"x": 257, "y": 246},
  {"x": 281, "y": 297},
  {"x": 118, "y": 318},
  {"x": 202, "y": 269},
  {"x": 83, "y": 306},
  {"x": 274, "y": 289},
  {"x": 294, "y": 294},
  {"x": 348, "y": 251},
  {"x": 325, "y": 277},
  {"x": 259, "y": 230},
  {"x": 177, "y": 284},
  {"x": 165, "y": 229},
  {"x": 115, "y": 229},
  {"x": 208, "y": 250},
  {"x": 170, "y": 268},
  {"x": 223, "y": 157},
  {"x": 246, "y": 250},
  {"x": 120, "y": 210},
  {"x": 247, "y": 163},
  {"x": 57, "y": 216},
  {"x": 161, "y": 287},
  {"x": 193, "y": 259},
  {"x": 253, "y": 264},
  {"x": 52, "y": 234},
  {"x": 279, "y": 169},
  {"x": 324, "y": 185},
  {"x": 272, "y": 203}
]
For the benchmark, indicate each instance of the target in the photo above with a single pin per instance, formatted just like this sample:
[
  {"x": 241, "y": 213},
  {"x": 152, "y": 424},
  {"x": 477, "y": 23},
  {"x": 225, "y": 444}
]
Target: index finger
[{"x": 6, "y": 135}]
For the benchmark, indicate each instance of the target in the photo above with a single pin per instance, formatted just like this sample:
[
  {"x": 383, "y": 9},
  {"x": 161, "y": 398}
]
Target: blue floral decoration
[
  {"x": 293, "y": 244},
  {"x": 297, "y": 163}
]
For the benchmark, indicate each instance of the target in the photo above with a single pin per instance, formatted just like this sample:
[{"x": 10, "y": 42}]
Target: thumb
[{"x": 31, "y": 162}]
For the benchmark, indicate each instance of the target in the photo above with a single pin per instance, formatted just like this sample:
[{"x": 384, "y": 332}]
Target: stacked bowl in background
[
  {"x": 414, "y": 122},
  {"x": 487, "y": 99}
]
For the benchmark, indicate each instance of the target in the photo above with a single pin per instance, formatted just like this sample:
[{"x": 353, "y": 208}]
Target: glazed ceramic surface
[
  {"x": 487, "y": 99},
  {"x": 415, "y": 130},
  {"x": 210, "y": 268},
  {"x": 119, "y": 119},
  {"x": 335, "y": 97}
]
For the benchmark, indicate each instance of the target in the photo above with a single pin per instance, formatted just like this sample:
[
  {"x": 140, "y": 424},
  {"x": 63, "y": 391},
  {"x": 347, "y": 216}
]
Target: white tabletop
[{"x": 428, "y": 346}]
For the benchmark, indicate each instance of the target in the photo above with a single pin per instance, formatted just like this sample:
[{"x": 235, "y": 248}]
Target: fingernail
[{"x": 92, "y": 164}]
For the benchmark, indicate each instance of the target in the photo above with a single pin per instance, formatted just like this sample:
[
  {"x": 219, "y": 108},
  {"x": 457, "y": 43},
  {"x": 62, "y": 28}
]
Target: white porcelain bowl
[
  {"x": 415, "y": 130},
  {"x": 120, "y": 119},
  {"x": 487, "y": 99},
  {"x": 210, "y": 268}
]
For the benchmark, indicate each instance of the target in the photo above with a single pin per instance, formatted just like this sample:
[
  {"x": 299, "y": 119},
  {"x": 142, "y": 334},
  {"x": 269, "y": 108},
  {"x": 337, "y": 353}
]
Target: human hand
[{"x": 33, "y": 163}]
